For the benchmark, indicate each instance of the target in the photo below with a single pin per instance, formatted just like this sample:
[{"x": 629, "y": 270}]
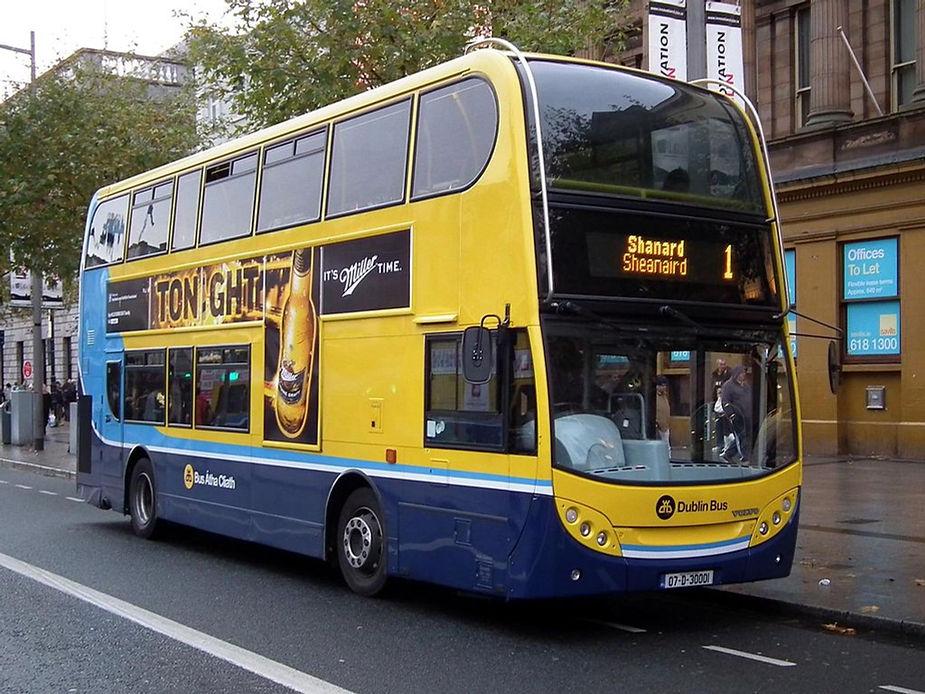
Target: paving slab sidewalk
[{"x": 860, "y": 559}]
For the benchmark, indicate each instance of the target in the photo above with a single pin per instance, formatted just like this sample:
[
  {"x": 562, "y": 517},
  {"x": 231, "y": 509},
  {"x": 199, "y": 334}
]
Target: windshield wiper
[{"x": 667, "y": 311}]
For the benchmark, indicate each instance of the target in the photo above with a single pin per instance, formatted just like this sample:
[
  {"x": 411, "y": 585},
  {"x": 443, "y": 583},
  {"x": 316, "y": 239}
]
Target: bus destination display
[
  {"x": 630, "y": 255},
  {"x": 664, "y": 258}
]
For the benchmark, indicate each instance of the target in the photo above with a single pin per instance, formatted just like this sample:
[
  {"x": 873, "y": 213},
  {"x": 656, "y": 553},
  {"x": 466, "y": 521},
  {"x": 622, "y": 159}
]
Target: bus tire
[
  {"x": 361, "y": 543},
  {"x": 142, "y": 500}
]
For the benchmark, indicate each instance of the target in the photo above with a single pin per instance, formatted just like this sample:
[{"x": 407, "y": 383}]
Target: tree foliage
[
  {"x": 282, "y": 58},
  {"x": 77, "y": 132}
]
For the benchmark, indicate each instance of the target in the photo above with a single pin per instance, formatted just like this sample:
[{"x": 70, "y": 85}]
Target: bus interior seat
[{"x": 590, "y": 442}]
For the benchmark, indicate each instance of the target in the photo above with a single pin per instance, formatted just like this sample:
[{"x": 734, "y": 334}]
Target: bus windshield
[
  {"x": 621, "y": 133},
  {"x": 643, "y": 408}
]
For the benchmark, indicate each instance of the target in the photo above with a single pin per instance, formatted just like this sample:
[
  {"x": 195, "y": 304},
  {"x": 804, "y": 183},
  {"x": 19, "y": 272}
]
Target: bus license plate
[{"x": 688, "y": 579}]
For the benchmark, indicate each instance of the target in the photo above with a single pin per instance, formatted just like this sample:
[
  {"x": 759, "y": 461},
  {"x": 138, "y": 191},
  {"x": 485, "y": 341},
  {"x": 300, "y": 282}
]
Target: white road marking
[
  {"x": 74, "y": 498},
  {"x": 23, "y": 486},
  {"x": 615, "y": 625},
  {"x": 247, "y": 660},
  {"x": 751, "y": 656},
  {"x": 899, "y": 690},
  {"x": 3, "y": 482},
  {"x": 45, "y": 491}
]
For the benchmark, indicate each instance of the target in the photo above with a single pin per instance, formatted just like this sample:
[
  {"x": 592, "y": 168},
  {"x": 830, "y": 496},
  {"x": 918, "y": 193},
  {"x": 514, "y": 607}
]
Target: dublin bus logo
[{"x": 664, "y": 507}]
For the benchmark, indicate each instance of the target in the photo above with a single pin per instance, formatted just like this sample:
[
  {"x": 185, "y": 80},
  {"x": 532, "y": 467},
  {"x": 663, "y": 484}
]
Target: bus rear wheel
[
  {"x": 361, "y": 543},
  {"x": 142, "y": 500}
]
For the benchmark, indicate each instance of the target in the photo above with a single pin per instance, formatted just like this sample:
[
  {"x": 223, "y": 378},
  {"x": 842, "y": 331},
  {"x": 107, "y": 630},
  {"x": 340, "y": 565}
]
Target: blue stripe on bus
[{"x": 682, "y": 548}]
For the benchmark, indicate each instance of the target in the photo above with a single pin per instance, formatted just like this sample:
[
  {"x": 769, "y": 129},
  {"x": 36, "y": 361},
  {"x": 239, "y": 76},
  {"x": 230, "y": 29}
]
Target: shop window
[
  {"x": 870, "y": 300},
  {"x": 223, "y": 388}
]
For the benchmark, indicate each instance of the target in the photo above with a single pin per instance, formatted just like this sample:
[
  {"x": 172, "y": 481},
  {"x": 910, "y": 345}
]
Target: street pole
[
  {"x": 696, "y": 40},
  {"x": 38, "y": 346}
]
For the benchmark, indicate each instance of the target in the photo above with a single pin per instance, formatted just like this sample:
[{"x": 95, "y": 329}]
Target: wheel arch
[
  {"x": 344, "y": 485},
  {"x": 136, "y": 454}
]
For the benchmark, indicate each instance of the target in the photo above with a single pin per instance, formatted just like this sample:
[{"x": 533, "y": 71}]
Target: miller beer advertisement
[{"x": 290, "y": 403}]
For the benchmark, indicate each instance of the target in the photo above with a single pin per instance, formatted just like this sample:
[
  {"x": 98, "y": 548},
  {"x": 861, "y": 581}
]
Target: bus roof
[{"x": 488, "y": 60}]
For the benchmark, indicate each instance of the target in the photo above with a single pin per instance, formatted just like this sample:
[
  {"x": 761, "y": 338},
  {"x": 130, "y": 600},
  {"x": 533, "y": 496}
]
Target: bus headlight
[
  {"x": 763, "y": 528},
  {"x": 786, "y": 503},
  {"x": 585, "y": 529},
  {"x": 571, "y": 515},
  {"x": 776, "y": 518},
  {"x": 602, "y": 538}
]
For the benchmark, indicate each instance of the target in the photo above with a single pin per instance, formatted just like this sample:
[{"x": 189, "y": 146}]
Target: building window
[
  {"x": 20, "y": 358},
  {"x": 903, "y": 39},
  {"x": 870, "y": 300},
  {"x": 223, "y": 388},
  {"x": 144, "y": 386},
  {"x": 802, "y": 65}
]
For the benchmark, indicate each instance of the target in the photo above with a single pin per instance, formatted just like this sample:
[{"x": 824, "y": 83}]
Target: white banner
[
  {"x": 724, "y": 46},
  {"x": 668, "y": 38},
  {"x": 21, "y": 290}
]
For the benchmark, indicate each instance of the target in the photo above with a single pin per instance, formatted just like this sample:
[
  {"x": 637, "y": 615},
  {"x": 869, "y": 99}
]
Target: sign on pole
[
  {"x": 724, "y": 46},
  {"x": 668, "y": 38},
  {"x": 26, "y": 369},
  {"x": 21, "y": 290}
]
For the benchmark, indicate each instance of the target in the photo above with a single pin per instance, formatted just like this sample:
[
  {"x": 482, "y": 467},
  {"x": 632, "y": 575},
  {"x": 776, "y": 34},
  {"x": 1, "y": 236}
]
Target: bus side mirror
[
  {"x": 477, "y": 355},
  {"x": 834, "y": 367}
]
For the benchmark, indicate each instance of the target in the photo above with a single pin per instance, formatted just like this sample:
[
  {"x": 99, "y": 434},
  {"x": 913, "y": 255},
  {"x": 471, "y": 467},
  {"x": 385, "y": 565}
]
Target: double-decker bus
[{"x": 513, "y": 324}]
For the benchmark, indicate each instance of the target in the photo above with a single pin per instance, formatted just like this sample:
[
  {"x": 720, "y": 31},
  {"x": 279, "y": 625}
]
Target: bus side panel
[
  {"x": 297, "y": 499},
  {"x": 455, "y": 536},
  {"x": 208, "y": 493}
]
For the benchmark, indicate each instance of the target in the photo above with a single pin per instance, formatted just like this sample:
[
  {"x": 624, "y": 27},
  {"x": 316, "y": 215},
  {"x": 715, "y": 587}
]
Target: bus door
[
  {"x": 482, "y": 438},
  {"x": 108, "y": 421}
]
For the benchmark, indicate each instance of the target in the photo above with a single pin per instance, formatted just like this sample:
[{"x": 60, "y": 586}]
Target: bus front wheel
[
  {"x": 361, "y": 543},
  {"x": 142, "y": 501}
]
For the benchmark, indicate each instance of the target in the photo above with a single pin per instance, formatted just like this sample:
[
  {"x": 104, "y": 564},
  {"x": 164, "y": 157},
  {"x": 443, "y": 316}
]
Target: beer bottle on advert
[{"x": 296, "y": 348}]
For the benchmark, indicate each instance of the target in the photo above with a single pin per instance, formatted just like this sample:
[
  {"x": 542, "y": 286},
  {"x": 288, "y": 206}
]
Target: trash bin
[{"x": 6, "y": 424}]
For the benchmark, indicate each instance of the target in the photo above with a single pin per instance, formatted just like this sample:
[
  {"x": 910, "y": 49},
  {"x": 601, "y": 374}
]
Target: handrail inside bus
[
  {"x": 541, "y": 161},
  {"x": 753, "y": 113}
]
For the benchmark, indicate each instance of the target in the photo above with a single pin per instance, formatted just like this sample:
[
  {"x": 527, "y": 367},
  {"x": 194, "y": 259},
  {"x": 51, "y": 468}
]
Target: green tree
[
  {"x": 78, "y": 131},
  {"x": 282, "y": 58}
]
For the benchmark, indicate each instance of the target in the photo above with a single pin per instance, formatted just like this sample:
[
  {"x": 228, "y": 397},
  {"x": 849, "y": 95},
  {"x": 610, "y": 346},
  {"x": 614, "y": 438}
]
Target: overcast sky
[{"x": 62, "y": 26}]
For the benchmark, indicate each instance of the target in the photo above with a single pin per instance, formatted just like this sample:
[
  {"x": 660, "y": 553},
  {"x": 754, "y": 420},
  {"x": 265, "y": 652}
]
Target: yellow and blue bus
[{"x": 512, "y": 324}]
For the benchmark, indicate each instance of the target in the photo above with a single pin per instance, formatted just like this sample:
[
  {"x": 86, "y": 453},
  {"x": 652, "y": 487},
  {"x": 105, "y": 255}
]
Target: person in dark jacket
[{"x": 736, "y": 396}]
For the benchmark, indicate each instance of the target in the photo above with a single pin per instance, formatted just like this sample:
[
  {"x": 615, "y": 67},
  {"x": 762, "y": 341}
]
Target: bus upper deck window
[
  {"x": 148, "y": 226},
  {"x": 290, "y": 190},
  {"x": 106, "y": 237},
  {"x": 187, "y": 210},
  {"x": 228, "y": 200},
  {"x": 368, "y": 159},
  {"x": 457, "y": 126}
]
